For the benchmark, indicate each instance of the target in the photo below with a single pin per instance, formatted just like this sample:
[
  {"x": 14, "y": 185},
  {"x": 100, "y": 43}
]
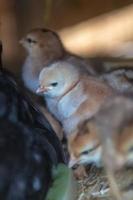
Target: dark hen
[{"x": 29, "y": 148}]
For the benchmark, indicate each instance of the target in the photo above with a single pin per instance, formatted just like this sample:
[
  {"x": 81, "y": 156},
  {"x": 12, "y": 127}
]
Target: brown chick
[
  {"x": 85, "y": 148},
  {"x": 84, "y": 145},
  {"x": 44, "y": 47},
  {"x": 114, "y": 125},
  {"x": 71, "y": 95}
]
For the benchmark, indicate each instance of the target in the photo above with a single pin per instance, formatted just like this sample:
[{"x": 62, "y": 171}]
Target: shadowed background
[{"x": 88, "y": 28}]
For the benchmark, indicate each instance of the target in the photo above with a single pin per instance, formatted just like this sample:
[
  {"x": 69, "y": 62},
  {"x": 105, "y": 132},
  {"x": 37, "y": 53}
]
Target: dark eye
[
  {"x": 54, "y": 84},
  {"x": 31, "y": 41},
  {"x": 89, "y": 150},
  {"x": 85, "y": 152}
]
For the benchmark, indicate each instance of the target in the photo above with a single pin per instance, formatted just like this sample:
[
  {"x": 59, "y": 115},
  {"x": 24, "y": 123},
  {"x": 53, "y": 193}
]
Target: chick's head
[
  {"x": 83, "y": 145},
  {"x": 57, "y": 79},
  {"x": 41, "y": 40}
]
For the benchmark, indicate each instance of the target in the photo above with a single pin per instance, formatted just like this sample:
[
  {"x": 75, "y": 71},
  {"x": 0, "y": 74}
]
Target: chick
[
  {"x": 120, "y": 79},
  {"x": 106, "y": 139},
  {"x": 84, "y": 146},
  {"x": 112, "y": 129},
  {"x": 45, "y": 47},
  {"x": 71, "y": 95}
]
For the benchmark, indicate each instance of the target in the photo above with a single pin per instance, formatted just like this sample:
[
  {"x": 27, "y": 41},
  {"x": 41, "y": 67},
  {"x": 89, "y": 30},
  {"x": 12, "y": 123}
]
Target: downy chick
[
  {"x": 44, "y": 47},
  {"x": 71, "y": 95},
  {"x": 84, "y": 146},
  {"x": 111, "y": 128},
  {"x": 106, "y": 139}
]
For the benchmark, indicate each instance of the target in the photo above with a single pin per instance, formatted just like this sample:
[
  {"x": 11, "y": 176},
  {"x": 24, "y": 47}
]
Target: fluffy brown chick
[
  {"x": 106, "y": 138},
  {"x": 70, "y": 95},
  {"x": 84, "y": 146}
]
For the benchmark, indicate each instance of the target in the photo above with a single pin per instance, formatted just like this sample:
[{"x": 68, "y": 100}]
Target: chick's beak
[
  {"x": 41, "y": 89},
  {"x": 22, "y": 41}
]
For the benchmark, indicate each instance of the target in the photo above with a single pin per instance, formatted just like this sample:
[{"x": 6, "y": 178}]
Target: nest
[{"x": 96, "y": 187}]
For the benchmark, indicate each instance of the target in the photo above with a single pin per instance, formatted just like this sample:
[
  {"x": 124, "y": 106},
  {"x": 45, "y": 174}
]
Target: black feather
[{"x": 29, "y": 148}]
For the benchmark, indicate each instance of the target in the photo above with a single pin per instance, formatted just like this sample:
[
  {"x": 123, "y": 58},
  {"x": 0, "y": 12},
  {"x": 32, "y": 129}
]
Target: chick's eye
[
  {"x": 89, "y": 150},
  {"x": 54, "y": 84},
  {"x": 85, "y": 152},
  {"x": 30, "y": 40}
]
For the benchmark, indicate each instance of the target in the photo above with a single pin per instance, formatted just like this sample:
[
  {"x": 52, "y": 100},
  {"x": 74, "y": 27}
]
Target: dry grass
[{"x": 96, "y": 187}]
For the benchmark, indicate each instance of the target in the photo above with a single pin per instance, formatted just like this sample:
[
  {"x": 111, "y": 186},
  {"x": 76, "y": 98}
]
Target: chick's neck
[{"x": 69, "y": 89}]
